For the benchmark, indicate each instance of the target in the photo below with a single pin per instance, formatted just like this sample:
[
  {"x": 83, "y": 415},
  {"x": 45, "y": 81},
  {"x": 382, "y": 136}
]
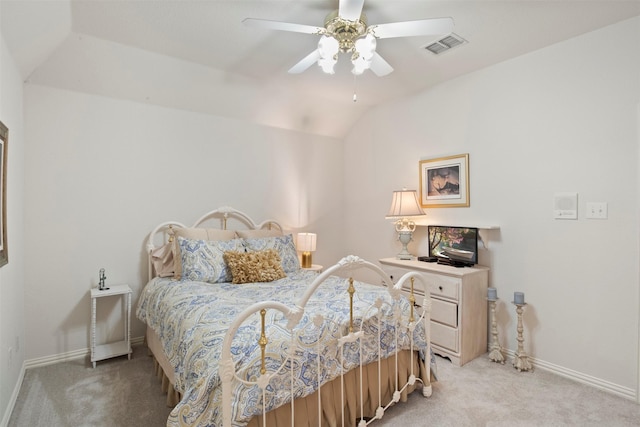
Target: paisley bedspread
[{"x": 191, "y": 319}]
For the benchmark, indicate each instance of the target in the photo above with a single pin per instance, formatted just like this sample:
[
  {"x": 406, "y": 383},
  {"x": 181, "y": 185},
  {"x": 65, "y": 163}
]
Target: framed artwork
[
  {"x": 4, "y": 139},
  {"x": 444, "y": 182}
]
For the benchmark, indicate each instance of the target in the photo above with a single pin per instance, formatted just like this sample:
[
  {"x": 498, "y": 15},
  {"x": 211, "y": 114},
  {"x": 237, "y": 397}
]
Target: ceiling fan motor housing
[{"x": 345, "y": 31}]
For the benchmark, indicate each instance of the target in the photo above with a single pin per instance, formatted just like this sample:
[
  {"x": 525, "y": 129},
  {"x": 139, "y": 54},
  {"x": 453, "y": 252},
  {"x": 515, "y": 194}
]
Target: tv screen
[{"x": 457, "y": 244}]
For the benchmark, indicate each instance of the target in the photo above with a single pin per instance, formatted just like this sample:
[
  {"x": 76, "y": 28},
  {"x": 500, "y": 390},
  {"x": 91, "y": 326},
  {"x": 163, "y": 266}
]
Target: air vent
[{"x": 445, "y": 44}]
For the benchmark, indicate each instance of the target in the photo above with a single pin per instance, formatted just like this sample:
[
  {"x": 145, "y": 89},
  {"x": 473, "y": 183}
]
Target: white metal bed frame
[{"x": 228, "y": 366}]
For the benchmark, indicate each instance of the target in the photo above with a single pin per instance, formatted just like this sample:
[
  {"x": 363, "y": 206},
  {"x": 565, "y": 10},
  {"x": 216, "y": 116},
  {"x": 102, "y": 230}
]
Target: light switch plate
[{"x": 597, "y": 210}]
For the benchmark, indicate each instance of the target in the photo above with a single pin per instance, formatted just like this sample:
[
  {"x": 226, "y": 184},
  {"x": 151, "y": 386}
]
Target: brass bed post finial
[
  {"x": 262, "y": 342},
  {"x": 412, "y": 301},
  {"x": 351, "y": 291}
]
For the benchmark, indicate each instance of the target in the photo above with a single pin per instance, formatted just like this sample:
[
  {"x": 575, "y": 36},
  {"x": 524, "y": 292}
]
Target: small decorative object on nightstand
[
  {"x": 520, "y": 360},
  {"x": 495, "y": 351},
  {"x": 102, "y": 279},
  {"x": 120, "y": 348}
]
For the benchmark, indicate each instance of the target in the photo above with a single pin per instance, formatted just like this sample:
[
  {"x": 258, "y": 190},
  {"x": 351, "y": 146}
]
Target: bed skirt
[{"x": 306, "y": 408}]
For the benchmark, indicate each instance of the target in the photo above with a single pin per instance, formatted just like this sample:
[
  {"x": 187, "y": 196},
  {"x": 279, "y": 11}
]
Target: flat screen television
[{"x": 457, "y": 245}]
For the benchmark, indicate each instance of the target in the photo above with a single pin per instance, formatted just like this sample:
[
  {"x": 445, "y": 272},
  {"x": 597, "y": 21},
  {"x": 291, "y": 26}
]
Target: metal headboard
[{"x": 223, "y": 214}]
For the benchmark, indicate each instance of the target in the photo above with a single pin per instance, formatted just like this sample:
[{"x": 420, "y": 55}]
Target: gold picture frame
[
  {"x": 444, "y": 182},
  {"x": 4, "y": 140}
]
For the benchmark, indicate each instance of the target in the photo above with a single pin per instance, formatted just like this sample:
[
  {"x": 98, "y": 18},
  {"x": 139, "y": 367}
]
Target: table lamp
[
  {"x": 403, "y": 205},
  {"x": 306, "y": 243}
]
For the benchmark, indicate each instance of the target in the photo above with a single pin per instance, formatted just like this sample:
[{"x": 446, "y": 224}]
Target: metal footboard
[{"x": 352, "y": 337}]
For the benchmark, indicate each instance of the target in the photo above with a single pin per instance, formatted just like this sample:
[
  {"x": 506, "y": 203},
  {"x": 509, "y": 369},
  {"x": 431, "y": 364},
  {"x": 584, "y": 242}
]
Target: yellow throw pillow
[{"x": 259, "y": 266}]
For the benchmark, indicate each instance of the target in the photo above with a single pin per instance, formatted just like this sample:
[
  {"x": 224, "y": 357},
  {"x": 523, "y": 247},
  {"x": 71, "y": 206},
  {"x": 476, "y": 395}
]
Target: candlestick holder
[
  {"x": 521, "y": 360},
  {"x": 495, "y": 351}
]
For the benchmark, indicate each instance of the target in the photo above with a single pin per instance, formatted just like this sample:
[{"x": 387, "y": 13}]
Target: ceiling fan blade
[
  {"x": 424, "y": 27},
  {"x": 350, "y": 9},
  {"x": 305, "y": 63},
  {"x": 379, "y": 66},
  {"x": 282, "y": 26}
]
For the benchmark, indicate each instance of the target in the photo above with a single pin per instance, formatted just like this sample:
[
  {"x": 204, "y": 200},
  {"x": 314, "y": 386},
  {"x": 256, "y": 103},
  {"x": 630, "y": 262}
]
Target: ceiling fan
[{"x": 346, "y": 30}]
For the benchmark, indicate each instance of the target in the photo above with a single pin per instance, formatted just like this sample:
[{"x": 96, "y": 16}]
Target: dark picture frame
[
  {"x": 444, "y": 182},
  {"x": 4, "y": 141}
]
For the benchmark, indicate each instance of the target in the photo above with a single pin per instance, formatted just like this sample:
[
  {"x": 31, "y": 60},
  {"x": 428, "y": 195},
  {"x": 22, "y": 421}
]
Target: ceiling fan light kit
[{"x": 346, "y": 30}]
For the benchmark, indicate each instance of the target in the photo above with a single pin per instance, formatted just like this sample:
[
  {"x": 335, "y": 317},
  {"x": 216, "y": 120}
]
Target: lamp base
[
  {"x": 405, "y": 237},
  {"x": 306, "y": 260}
]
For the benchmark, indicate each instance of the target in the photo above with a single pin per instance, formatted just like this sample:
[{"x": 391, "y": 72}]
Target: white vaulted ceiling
[{"x": 197, "y": 55}]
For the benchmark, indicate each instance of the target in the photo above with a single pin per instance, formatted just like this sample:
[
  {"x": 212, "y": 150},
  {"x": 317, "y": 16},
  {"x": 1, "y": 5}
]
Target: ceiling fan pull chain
[{"x": 355, "y": 97}]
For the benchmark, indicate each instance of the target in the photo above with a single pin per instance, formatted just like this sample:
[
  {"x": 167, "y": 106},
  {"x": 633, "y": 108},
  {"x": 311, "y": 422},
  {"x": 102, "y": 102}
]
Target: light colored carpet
[{"x": 120, "y": 392}]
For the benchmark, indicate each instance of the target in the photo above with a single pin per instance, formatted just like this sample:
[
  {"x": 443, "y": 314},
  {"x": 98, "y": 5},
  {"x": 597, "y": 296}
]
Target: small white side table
[
  {"x": 106, "y": 351},
  {"x": 314, "y": 267}
]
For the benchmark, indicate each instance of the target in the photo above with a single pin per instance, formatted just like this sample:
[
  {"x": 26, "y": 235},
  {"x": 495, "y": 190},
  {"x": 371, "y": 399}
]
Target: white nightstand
[
  {"x": 314, "y": 267},
  {"x": 120, "y": 348}
]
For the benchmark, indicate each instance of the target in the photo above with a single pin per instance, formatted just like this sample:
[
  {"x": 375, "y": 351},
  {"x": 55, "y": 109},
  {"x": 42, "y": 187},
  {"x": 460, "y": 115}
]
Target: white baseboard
[
  {"x": 13, "y": 399},
  {"x": 70, "y": 355},
  {"x": 626, "y": 392},
  {"x": 44, "y": 361}
]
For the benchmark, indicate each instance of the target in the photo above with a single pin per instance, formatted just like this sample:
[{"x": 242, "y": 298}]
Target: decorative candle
[
  {"x": 492, "y": 294},
  {"x": 518, "y": 297}
]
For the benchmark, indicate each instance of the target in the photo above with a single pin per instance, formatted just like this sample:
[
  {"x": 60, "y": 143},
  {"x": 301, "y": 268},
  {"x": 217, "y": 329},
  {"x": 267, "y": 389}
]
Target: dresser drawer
[
  {"x": 444, "y": 336},
  {"x": 396, "y": 274},
  {"x": 444, "y": 312},
  {"x": 443, "y": 286}
]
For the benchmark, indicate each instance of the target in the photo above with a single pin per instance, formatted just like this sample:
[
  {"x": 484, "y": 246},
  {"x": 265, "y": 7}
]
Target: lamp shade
[
  {"x": 306, "y": 242},
  {"x": 404, "y": 204}
]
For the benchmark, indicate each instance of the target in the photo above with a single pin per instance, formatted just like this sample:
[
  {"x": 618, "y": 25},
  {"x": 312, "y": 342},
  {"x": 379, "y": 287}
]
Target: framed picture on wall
[
  {"x": 444, "y": 182},
  {"x": 4, "y": 139}
]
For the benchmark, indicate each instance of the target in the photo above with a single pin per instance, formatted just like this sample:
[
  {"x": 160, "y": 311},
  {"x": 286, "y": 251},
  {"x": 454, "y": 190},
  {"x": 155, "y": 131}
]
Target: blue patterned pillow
[
  {"x": 283, "y": 245},
  {"x": 203, "y": 260}
]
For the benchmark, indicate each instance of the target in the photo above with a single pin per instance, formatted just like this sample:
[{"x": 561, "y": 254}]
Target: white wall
[
  {"x": 560, "y": 119},
  {"x": 102, "y": 173},
  {"x": 12, "y": 337}
]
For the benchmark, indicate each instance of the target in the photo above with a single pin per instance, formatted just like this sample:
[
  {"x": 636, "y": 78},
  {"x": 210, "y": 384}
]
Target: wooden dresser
[{"x": 459, "y": 306}]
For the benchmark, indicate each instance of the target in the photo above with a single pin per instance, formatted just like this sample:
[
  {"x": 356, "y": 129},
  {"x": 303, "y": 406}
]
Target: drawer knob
[{"x": 440, "y": 288}]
